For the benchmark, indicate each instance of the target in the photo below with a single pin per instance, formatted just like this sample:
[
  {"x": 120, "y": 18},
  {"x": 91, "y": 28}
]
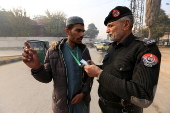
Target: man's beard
[
  {"x": 74, "y": 41},
  {"x": 117, "y": 37}
]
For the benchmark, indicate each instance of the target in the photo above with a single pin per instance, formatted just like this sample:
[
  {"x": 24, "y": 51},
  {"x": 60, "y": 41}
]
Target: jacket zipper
[
  {"x": 61, "y": 55},
  {"x": 82, "y": 73}
]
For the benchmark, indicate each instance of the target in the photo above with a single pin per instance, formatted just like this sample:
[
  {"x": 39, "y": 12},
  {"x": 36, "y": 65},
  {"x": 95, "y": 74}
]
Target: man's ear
[
  {"x": 66, "y": 31},
  {"x": 126, "y": 24}
]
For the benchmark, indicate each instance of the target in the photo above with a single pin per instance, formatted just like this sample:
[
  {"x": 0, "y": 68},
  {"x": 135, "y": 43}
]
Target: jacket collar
[{"x": 128, "y": 40}]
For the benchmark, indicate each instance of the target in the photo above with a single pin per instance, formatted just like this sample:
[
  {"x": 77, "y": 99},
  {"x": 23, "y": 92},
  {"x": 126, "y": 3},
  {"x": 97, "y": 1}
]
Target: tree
[
  {"x": 54, "y": 24},
  {"x": 152, "y": 12},
  {"x": 22, "y": 24},
  {"x": 161, "y": 26},
  {"x": 145, "y": 32},
  {"x": 16, "y": 23},
  {"x": 168, "y": 30},
  {"x": 5, "y": 23},
  {"x": 92, "y": 31}
]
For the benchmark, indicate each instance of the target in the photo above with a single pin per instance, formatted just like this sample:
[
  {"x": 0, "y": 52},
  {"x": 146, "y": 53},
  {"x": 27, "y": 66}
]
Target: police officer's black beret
[{"x": 117, "y": 13}]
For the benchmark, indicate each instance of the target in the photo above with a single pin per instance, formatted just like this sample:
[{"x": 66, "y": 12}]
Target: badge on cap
[
  {"x": 115, "y": 13},
  {"x": 149, "y": 60}
]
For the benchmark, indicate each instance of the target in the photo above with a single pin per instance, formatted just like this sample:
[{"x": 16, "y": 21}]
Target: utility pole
[{"x": 137, "y": 7}]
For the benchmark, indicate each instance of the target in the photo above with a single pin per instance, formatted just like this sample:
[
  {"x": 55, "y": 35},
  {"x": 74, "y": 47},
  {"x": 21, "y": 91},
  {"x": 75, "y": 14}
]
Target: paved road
[
  {"x": 10, "y": 52},
  {"x": 21, "y": 93}
]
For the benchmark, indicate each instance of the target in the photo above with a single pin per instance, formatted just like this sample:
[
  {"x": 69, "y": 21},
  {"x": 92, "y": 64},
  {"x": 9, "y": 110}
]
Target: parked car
[
  {"x": 95, "y": 43},
  {"x": 41, "y": 47},
  {"x": 107, "y": 43},
  {"x": 102, "y": 46}
]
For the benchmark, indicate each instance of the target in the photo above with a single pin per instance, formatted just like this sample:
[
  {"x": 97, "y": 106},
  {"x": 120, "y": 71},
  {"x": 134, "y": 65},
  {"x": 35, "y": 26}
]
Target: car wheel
[{"x": 103, "y": 49}]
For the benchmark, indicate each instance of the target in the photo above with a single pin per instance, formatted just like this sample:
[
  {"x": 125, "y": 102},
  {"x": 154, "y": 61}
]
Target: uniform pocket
[{"x": 123, "y": 65}]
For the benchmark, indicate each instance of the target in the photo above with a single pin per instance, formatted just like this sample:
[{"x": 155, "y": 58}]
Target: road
[
  {"x": 10, "y": 52},
  {"x": 21, "y": 93}
]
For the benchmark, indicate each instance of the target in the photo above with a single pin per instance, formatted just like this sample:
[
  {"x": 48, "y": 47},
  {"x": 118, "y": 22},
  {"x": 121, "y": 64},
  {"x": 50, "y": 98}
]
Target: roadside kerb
[{"x": 10, "y": 59}]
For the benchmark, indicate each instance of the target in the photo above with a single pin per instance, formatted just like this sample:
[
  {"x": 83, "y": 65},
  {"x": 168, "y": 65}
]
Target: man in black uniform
[{"x": 129, "y": 75}]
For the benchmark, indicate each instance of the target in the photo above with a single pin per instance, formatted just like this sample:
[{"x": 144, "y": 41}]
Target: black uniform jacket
[{"x": 130, "y": 71}]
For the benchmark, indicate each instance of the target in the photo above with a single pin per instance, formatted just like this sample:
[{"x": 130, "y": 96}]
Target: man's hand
[
  {"x": 77, "y": 98},
  {"x": 90, "y": 62},
  {"x": 92, "y": 70},
  {"x": 30, "y": 57}
]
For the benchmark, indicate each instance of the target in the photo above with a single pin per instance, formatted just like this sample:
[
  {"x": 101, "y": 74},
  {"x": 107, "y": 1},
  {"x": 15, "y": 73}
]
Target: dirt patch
[
  {"x": 9, "y": 57},
  {"x": 156, "y": 107}
]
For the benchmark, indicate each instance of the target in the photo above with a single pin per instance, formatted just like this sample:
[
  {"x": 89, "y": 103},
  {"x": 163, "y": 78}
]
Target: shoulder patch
[
  {"x": 149, "y": 60},
  {"x": 147, "y": 41}
]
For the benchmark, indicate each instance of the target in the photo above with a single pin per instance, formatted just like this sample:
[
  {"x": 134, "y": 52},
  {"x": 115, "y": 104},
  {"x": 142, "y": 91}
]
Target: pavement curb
[{"x": 2, "y": 62}]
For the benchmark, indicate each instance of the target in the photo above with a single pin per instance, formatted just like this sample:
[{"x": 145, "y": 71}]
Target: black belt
[{"x": 115, "y": 104}]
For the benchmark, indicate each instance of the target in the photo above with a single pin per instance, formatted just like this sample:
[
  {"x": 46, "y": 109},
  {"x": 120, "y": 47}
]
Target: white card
[{"x": 84, "y": 62}]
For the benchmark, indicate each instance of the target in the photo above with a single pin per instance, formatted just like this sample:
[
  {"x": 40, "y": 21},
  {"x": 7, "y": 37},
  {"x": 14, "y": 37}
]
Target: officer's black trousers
[{"x": 106, "y": 109}]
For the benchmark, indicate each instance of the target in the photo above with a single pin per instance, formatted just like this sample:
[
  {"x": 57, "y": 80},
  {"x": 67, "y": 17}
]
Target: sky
[{"x": 92, "y": 11}]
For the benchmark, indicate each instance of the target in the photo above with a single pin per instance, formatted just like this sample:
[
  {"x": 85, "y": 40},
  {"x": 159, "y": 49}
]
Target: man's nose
[
  {"x": 107, "y": 30},
  {"x": 82, "y": 34}
]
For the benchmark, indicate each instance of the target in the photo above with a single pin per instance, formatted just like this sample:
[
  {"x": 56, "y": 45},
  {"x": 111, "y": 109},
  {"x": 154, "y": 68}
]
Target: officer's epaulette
[
  {"x": 147, "y": 41},
  {"x": 110, "y": 43}
]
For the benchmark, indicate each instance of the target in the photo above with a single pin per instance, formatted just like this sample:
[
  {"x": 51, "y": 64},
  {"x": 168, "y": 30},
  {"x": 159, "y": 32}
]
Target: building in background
[{"x": 38, "y": 25}]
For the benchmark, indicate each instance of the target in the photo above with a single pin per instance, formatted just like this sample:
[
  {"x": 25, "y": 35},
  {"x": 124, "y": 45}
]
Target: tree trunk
[
  {"x": 152, "y": 12},
  {"x": 168, "y": 39},
  {"x": 150, "y": 32}
]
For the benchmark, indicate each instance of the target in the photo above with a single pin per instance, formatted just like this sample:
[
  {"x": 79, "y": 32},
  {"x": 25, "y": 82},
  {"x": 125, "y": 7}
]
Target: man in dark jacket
[
  {"x": 72, "y": 85},
  {"x": 129, "y": 74}
]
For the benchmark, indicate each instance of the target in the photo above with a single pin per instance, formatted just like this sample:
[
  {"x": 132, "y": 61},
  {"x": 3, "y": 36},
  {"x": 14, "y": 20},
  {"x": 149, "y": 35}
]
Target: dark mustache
[{"x": 80, "y": 37}]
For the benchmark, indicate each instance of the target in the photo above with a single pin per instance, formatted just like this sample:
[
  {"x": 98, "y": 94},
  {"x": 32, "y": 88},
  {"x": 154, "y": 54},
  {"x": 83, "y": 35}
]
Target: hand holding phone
[{"x": 84, "y": 62}]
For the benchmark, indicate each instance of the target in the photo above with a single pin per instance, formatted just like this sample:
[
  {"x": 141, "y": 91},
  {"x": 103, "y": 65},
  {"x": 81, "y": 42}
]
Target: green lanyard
[{"x": 75, "y": 58}]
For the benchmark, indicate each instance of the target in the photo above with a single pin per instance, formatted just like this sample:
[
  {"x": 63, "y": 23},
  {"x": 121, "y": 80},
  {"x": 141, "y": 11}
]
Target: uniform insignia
[
  {"x": 147, "y": 41},
  {"x": 115, "y": 13},
  {"x": 149, "y": 60}
]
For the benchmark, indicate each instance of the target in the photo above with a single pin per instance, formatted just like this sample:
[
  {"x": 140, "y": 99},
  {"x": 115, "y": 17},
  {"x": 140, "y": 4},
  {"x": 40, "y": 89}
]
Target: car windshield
[
  {"x": 37, "y": 46},
  {"x": 100, "y": 44}
]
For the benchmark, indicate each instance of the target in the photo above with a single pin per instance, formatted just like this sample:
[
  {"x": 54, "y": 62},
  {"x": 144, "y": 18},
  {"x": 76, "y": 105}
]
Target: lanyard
[{"x": 75, "y": 57}]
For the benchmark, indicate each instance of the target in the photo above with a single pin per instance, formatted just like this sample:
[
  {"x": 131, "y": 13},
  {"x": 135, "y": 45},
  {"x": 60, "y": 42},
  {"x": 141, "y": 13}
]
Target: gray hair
[{"x": 129, "y": 17}]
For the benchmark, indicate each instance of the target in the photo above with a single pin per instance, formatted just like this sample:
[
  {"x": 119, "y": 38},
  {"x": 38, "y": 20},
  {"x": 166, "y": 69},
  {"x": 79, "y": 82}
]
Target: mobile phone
[{"x": 84, "y": 62}]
